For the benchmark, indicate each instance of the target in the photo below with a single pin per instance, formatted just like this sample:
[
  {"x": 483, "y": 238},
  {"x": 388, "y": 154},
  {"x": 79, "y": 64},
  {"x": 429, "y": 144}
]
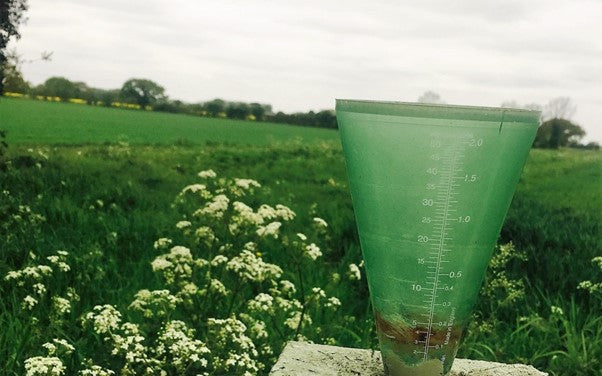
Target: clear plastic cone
[{"x": 431, "y": 185}]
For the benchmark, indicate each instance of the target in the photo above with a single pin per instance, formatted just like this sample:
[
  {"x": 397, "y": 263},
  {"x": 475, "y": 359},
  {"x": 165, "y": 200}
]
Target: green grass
[
  {"x": 565, "y": 178},
  {"x": 29, "y": 121},
  {"x": 554, "y": 219}
]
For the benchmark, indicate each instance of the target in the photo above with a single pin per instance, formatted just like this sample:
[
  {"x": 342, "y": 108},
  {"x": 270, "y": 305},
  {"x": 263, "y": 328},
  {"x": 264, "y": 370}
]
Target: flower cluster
[{"x": 223, "y": 305}]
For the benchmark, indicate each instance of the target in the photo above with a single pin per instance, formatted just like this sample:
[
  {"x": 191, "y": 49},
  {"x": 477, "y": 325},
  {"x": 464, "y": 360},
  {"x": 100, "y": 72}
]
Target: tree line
[
  {"x": 148, "y": 95},
  {"x": 556, "y": 130}
]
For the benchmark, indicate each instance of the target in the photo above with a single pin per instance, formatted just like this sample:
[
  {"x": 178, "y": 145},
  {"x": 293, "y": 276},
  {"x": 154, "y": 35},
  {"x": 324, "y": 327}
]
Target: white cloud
[{"x": 301, "y": 54}]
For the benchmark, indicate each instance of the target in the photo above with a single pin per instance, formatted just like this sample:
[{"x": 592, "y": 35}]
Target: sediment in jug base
[{"x": 399, "y": 340}]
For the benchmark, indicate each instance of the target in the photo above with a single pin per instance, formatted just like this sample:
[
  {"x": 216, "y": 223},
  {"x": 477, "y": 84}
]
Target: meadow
[{"x": 105, "y": 201}]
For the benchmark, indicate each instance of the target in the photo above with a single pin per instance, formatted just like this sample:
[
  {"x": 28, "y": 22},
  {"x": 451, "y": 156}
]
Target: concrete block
[{"x": 301, "y": 359}]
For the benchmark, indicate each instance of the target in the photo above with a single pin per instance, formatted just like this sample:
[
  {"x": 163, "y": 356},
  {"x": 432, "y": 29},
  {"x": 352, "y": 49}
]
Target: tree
[
  {"x": 12, "y": 77},
  {"x": 11, "y": 16},
  {"x": 60, "y": 87},
  {"x": 556, "y": 132},
  {"x": 215, "y": 107},
  {"x": 237, "y": 110},
  {"x": 142, "y": 91},
  {"x": 258, "y": 111},
  {"x": 559, "y": 108},
  {"x": 430, "y": 97}
]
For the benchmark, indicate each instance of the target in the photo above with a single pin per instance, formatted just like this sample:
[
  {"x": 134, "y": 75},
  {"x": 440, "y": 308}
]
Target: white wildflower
[
  {"x": 58, "y": 347},
  {"x": 160, "y": 263},
  {"x": 301, "y": 236},
  {"x": 250, "y": 267},
  {"x": 272, "y": 229},
  {"x": 557, "y": 311},
  {"x": 218, "y": 260},
  {"x": 207, "y": 174},
  {"x": 353, "y": 273},
  {"x": 104, "y": 318},
  {"x": 287, "y": 287},
  {"x": 246, "y": 183},
  {"x": 162, "y": 243},
  {"x": 205, "y": 234},
  {"x": 294, "y": 321},
  {"x": 258, "y": 330},
  {"x": 157, "y": 303},
  {"x": 261, "y": 303},
  {"x": 333, "y": 302},
  {"x": 176, "y": 344},
  {"x": 96, "y": 371},
  {"x": 61, "y": 305},
  {"x": 214, "y": 208},
  {"x": 29, "y": 302},
  {"x": 193, "y": 188},
  {"x": 318, "y": 292},
  {"x": 320, "y": 222},
  {"x": 285, "y": 213},
  {"x": 312, "y": 251},
  {"x": 267, "y": 212},
  {"x": 175, "y": 265},
  {"x": 44, "y": 366},
  {"x": 218, "y": 287},
  {"x": 183, "y": 224},
  {"x": 39, "y": 289}
]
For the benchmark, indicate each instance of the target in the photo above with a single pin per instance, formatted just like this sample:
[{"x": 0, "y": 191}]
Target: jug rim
[{"x": 432, "y": 110}]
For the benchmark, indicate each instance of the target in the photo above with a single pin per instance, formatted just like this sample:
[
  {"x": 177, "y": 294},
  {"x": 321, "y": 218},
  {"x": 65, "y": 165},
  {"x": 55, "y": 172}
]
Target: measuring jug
[{"x": 431, "y": 185}]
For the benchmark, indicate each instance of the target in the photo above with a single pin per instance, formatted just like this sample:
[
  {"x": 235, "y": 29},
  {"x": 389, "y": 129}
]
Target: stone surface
[{"x": 300, "y": 359}]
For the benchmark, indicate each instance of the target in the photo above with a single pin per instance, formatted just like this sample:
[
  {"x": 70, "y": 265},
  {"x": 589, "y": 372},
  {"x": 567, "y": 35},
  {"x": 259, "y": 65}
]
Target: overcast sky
[{"x": 301, "y": 54}]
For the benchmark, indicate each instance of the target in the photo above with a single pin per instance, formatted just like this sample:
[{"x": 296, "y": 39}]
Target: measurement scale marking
[{"x": 443, "y": 208}]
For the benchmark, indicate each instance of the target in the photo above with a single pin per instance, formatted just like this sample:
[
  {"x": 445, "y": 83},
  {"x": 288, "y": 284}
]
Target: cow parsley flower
[
  {"x": 246, "y": 183},
  {"x": 183, "y": 224},
  {"x": 176, "y": 345},
  {"x": 44, "y": 366},
  {"x": 312, "y": 251},
  {"x": 58, "y": 347},
  {"x": 204, "y": 234},
  {"x": 214, "y": 208},
  {"x": 267, "y": 212},
  {"x": 96, "y": 371},
  {"x": 285, "y": 213},
  {"x": 333, "y": 302},
  {"x": 294, "y": 320},
  {"x": 157, "y": 303},
  {"x": 60, "y": 305},
  {"x": 194, "y": 188},
  {"x": 218, "y": 287},
  {"x": 29, "y": 302},
  {"x": 39, "y": 289},
  {"x": 320, "y": 222},
  {"x": 250, "y": 267},
  {"x": 353, "y": 273},
  {"x": 207, "y": 174},
  {"x": 287, "y": 287},
  {"x": 261, "y": 303},
  {"x": 104, "y": 318},
  {"x": 162, "y": 243},
  {"x": 271, "y": 229},
  {"x": 218, "y": 260}
]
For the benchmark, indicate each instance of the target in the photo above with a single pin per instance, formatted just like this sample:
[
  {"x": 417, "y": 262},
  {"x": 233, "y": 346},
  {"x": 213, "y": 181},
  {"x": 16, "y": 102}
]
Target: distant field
[
  {"x": 566, "y": 178},
  {"x": 29, "y": 121}
]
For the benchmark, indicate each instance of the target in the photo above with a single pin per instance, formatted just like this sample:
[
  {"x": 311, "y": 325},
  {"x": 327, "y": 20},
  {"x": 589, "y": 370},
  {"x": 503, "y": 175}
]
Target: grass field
[
  {"x": 66, "y": 123},
  {"x": 106, "y": 204}
]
